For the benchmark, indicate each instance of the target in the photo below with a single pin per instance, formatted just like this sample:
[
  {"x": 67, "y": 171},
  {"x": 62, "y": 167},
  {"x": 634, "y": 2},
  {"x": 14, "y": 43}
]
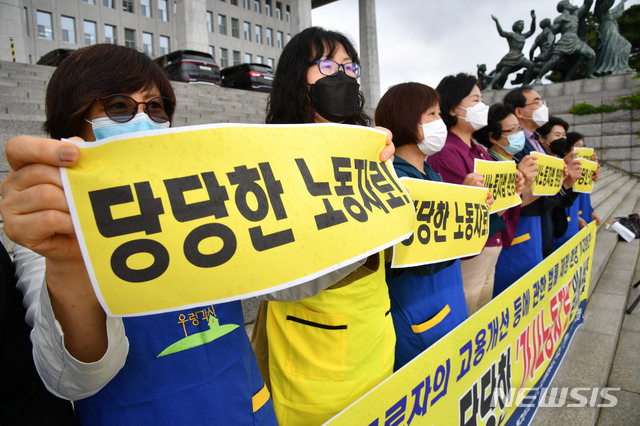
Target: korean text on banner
[
  {"x": 550, "y": 174},
  {"x": 451, "y": 221},
  {"x": 584, "y": 152},
  {"x": 494, "y": 367},
  {"x": 188, "y": 216},
  {"x": 585, "y": 183},
  {"x": 500, "y": 179}
]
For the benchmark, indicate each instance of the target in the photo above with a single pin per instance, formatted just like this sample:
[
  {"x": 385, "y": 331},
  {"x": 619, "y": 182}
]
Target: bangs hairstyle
[
  {"x": 289, "y": 98},
  {"x": 453, "y": 89},
  {"x": 497, "y": 113},
  {"x": 94, "y": 72},
  {"x": 400, "y": 110},
  {"x": 553, "y": 121}
]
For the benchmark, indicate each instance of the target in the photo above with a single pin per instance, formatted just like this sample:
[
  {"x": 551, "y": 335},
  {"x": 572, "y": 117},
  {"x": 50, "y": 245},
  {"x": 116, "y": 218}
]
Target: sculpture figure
[
  {"x": 569, "y": 48},
  {"x": 484, "y": 78},
  {"x": 544, "y": 41},
  {"x": 514, "y": 59},
  {"x": 612, "y": 50}
]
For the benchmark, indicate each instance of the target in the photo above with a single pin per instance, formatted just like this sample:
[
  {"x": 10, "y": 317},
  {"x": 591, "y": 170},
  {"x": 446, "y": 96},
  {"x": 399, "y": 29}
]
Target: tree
[{"x": 629, "y": 24}]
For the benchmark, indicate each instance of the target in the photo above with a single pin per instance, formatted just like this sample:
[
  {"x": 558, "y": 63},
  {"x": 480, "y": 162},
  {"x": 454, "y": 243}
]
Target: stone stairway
[{"x": 605, "y": 350}]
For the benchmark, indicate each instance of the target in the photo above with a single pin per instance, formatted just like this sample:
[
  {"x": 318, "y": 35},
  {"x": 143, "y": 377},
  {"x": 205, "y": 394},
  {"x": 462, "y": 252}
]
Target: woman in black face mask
[
  {"x": 563, "y": 219},
  {"x": 322, "y": 352},
  {"x": 317, "y": 81}
]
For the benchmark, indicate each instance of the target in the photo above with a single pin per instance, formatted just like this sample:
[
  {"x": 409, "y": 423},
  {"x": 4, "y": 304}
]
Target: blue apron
[
  {"x": 425, "y": 308},
  {"x": 525, "y": 253},
  {"x": 572, "y": 225},
  {"x": 585, "y": 210},
  {"x": 193, "y": 382}
]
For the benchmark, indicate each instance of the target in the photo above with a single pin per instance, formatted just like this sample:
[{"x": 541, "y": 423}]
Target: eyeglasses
[
  {"x": 329, "y": 67},
  {"x": 122, "y": 108},
  {"x": 514, "y": 129},
  {"x": 538, "y": 102}
]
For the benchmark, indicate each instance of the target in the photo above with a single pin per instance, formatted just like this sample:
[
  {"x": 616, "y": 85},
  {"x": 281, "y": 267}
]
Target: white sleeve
[
  {"x": 313, "y": 287},
  {"x": 62, "y": 374}
]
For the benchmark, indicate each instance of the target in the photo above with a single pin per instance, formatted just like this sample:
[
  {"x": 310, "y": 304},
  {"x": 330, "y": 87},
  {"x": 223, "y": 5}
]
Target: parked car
[
  {"x": 257, "y": 77},
  {"x": 190, "y": 66},
  {"x": 54, "y": 57}
]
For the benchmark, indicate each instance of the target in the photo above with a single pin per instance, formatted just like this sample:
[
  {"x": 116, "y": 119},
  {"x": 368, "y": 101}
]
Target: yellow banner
[
  {"x": 500, "y": 179},
  {"x": 451, "y": 221},
  {"x": 490, "y": 370},
  {"x": 185, "y": 217},
  {"x": 584, "y": 152},
  {"x": 585, "y": 183},
  {"x": 550, "y": 173}
]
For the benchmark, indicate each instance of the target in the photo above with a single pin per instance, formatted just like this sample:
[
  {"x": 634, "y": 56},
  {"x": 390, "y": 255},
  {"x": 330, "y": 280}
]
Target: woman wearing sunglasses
[
  {"x": 323, "y": 352},
  {"x": 110, "y": 366}
]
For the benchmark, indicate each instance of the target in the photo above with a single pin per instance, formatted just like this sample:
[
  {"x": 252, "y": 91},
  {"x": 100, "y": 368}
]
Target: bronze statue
[
  {"x": 544, "y": 41},
  {"x": 612, "y": 50},
  {"x": 569, "y": 48},
  {"x": 514, "y": 59}
]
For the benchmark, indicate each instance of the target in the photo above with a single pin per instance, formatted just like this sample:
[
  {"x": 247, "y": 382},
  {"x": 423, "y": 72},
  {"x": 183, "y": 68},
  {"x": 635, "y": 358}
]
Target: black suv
[
  {"x": 257, "y": 77},
  {"x": 190, "y": 66}
]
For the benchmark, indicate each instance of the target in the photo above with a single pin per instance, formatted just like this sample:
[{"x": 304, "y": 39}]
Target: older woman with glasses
[
  {"x": 323, "y": 352},
  {"x": 504, "y": 137},
  {"x": 110, "y": 366}
]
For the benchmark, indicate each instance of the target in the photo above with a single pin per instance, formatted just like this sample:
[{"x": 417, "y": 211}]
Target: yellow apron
[{"x": 328, "y": 350}]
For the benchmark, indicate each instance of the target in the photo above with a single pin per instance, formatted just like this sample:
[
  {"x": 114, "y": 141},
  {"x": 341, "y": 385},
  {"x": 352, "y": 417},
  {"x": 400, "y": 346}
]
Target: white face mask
[
  {"x": 435, "y": 135},
  {"x": 477, "y": 115},
  {"x": 541, "y": 115}
]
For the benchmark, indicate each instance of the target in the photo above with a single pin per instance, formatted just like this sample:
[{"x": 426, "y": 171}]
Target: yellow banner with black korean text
[
  {"x": 585, "y": 183},
  {"x": 495, "y": 367},
  {"x": 451, "y": 221},
  {"x": 500, "y": 180},
  {"x": 550, "y": 174},
  {"x": 188, "y": 216},
  {"x": 584, "y": 152}
]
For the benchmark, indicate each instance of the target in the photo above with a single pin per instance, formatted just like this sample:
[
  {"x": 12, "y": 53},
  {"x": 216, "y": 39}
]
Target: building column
[
  {"x": 191, "y": 22},
  {"x": 300, "y": 16},
  {"x": 370, "y": 79}
]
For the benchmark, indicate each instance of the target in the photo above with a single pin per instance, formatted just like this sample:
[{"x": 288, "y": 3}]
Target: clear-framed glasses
[
  {"x": 513, "y": 130},
  {"x": 122, "y": 108},
  {"x": 329, "y": 67},
  {"x": 538, "y": 102}
]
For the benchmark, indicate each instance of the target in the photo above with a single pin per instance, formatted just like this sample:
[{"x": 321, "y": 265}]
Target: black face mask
[
  {"x": 335, "y": 97},
  {"x": 558, "y": 147}
]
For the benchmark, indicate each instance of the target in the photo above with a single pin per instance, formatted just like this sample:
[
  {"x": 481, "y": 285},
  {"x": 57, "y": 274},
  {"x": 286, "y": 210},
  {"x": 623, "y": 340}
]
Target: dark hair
[
  {"x": 91, "y": 73},
  {"x": 553, "y": 121},
  {"x": 572, "y": 138},
  {"x": 289, "y": 98},
  {"x": 516, "y": 98},
  {"x": 452, "y": 89},
  {"x": 401, "y": 108},
  {"x": 497, "y": 113}
]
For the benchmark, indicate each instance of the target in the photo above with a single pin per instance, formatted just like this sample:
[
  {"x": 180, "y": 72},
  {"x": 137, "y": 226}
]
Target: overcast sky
[{"x": 425, "y": 40}]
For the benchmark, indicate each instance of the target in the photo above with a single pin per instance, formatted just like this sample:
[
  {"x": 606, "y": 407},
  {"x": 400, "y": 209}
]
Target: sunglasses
[{"x": 122, "y": 108}]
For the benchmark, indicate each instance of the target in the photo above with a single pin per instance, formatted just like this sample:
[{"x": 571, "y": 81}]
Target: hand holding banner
[
  {"x": 188, "y": 216},
  {"x": 585, "y": 183},
  {"x": 550, "y": 173},
  {"x": 451, "y": 221},
  {"x": 500, "y": 179}
]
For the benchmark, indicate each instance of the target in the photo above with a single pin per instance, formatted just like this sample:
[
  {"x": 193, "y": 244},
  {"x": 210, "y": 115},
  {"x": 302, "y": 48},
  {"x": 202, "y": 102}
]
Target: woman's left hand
[{"x": 390, "y": 148}]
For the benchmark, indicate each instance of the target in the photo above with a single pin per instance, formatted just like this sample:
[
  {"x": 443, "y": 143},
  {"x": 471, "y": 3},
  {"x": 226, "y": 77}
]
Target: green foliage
[
  {"x": 626, "y": 102},
  {"x": 629, "y": 24}
]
